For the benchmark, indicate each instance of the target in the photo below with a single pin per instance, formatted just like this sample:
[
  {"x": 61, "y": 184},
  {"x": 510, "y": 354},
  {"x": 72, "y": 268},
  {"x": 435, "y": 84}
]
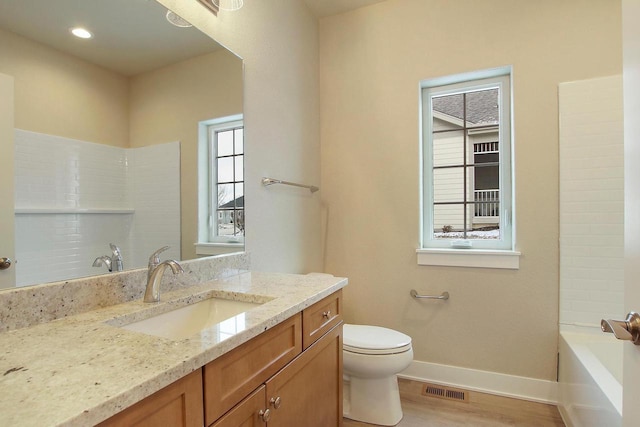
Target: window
[
  {"x": 226, "y": 150},
  {"x": 221, "y": 183},
  {"x": 466, "y": 164}
]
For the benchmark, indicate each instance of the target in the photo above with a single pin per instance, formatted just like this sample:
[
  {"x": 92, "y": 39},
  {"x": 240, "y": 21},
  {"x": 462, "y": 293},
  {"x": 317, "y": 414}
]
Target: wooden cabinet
[
  {"x": 231, "y": 377},
  {"x": 269, "y": 381},
  {"x": 308, "y": 391},
  {"x": 179, "y": 404}
]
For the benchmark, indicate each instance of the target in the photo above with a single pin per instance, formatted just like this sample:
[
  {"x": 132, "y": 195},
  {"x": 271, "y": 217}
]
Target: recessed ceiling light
[{"x": 81, "y": 32}]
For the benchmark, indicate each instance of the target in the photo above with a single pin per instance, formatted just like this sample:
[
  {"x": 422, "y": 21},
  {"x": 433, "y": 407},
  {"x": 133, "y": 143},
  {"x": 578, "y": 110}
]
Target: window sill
[
  {"x": 209, "y": 248},
  {"x": 477, "y": 258}
]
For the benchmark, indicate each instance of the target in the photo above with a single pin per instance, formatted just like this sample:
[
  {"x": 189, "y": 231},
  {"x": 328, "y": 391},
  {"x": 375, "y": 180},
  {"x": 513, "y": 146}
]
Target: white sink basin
[{"x": 213, "y": 318}]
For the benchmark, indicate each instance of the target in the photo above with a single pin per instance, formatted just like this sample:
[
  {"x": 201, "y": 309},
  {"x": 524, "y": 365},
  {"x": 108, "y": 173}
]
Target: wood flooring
[{"x": 482, "y": 410}]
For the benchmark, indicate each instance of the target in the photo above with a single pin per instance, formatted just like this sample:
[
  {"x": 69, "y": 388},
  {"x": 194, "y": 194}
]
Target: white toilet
[{"x": 372, "y": 356}]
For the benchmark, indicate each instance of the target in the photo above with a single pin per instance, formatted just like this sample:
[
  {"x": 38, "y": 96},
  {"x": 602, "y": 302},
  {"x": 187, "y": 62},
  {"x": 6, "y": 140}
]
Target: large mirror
[{"x": 108, "y": 131}]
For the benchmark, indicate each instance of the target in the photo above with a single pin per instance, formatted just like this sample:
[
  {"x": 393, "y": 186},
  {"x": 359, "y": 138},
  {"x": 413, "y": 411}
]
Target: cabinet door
[
  {"x": 178, "y": 404},
  {"x": 248, "y": 413},
  {"x": 309, "y": 389}
]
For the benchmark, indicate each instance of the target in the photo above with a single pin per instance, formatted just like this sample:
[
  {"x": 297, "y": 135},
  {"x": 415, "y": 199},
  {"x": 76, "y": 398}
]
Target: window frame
[
  {"x": 467, "y": 82},
  {"x": 214, "y": 211},
  {"x": 207, "y": 188}
]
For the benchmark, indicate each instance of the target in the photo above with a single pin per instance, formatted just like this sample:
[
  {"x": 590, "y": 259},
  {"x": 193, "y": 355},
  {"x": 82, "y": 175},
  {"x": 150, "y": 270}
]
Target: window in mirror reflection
[{"x": 226, "y": 210}]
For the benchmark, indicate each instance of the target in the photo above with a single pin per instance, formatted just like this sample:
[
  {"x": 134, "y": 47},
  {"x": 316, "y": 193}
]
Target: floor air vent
[{"x": 443, "y": 392}]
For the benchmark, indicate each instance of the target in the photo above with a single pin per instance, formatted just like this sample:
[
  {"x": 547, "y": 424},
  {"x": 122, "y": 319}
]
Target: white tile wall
[
  {"x": 591, "y": 201},
  {"x": 58, "y": 172},
  {"x": 61, "y": 173},
  {"x": 156, "y": 223},
  {"x": 52, "y": 247}
]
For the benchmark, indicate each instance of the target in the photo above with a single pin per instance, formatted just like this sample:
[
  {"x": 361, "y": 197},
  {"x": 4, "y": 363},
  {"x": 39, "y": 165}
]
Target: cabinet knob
[
  {"x": 5, "y": 263},
  {"x": 265, "y": 415},
  {"x": 275, "y": 402},
  {"x": 326, "y": 314}
]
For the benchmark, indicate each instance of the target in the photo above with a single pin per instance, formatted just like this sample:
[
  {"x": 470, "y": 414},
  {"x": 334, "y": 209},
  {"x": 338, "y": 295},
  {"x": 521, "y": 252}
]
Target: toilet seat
[{"x": 366, "y": 339}]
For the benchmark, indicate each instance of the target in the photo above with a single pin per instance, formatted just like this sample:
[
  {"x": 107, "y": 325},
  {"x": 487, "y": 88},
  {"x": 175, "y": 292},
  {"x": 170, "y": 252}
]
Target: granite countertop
[{"x": 81, "y": 369}]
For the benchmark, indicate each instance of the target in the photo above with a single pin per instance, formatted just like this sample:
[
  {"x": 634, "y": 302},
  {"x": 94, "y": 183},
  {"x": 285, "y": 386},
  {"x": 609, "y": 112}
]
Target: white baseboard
[{"x": 484, "y": 381}]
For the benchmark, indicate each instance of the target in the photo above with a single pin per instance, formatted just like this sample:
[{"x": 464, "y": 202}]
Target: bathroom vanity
[
  {"x": 277, "y": 362},
  {"x": 269, "y": 379}
]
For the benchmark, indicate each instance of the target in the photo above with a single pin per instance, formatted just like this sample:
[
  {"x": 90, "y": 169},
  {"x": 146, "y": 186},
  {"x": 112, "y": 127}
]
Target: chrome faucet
[
  {"x": 111, "y": 262},
  {"x": 155, "y": 272}
]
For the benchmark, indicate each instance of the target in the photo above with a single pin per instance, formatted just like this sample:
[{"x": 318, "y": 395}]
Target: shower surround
[{"x": 73, "y": 198}]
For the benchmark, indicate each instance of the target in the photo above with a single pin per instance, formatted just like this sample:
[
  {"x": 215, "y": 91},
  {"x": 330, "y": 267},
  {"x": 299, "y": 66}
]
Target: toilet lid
[{"x": 366, "y": 339}]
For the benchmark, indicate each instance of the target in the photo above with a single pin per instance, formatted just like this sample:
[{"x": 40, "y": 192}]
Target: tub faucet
[
  {"x": 155, "y": 272},
  {"x": 113, "y": 262}
]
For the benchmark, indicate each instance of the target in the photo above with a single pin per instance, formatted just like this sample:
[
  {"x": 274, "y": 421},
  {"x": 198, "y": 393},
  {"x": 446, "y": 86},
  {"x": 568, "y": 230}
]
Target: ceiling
[
  {"x": 130, "y": 36},
  {"x": 323, "y": 8}
]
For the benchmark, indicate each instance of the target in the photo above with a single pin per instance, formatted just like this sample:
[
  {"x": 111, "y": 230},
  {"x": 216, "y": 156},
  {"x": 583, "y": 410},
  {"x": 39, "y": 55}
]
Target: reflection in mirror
[
  {"x": 107, "y": 133},
  {"x": 221, "y": 221}
]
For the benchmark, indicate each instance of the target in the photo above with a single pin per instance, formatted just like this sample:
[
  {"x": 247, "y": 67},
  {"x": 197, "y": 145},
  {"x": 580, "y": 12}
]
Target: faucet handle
[
  {"x": 115, "y": 250},
  {"x": 617, "y": 328},
  {"x": 116, "y": 258},
  {"x": 154, "y": 259},
  {"x": 628, "y": 329}
]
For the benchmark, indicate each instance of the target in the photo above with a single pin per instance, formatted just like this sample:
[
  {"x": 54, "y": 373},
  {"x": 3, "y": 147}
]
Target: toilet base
[{"x": 372, "y": 400}]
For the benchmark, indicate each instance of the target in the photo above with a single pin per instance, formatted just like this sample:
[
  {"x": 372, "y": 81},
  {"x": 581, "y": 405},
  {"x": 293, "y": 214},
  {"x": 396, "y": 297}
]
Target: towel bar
[
  {"x": 271, "y": 181},
  {"x": 442, "y": 296}
]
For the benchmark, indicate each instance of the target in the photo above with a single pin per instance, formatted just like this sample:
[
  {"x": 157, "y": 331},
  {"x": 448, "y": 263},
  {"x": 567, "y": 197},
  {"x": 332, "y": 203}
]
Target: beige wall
[
  {"x": 278, "y": 42},
  {"x": 371, "y": 63},
  {"x": 166, "y": 106},
  {"x": 58, "y": 94}
]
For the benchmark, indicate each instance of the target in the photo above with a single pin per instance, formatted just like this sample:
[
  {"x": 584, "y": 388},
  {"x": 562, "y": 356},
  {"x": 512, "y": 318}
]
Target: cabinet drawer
[
  {"x": 320, "y": 318},
  {"x": 231, "y": 377}
]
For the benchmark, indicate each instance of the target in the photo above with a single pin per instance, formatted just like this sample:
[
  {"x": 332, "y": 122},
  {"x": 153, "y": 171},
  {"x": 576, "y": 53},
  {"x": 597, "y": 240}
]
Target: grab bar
[
  {"x": 271, "y": 181},
  {"x": 442, "y": 296}
]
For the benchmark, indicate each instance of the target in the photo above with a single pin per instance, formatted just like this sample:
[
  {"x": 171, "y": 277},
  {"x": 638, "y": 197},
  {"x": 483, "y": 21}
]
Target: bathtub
[{"x": 590, "y": 378}]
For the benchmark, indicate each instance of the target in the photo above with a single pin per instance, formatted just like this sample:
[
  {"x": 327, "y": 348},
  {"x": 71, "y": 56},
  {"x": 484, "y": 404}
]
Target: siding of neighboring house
[{"x": 448, "y": 183}]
